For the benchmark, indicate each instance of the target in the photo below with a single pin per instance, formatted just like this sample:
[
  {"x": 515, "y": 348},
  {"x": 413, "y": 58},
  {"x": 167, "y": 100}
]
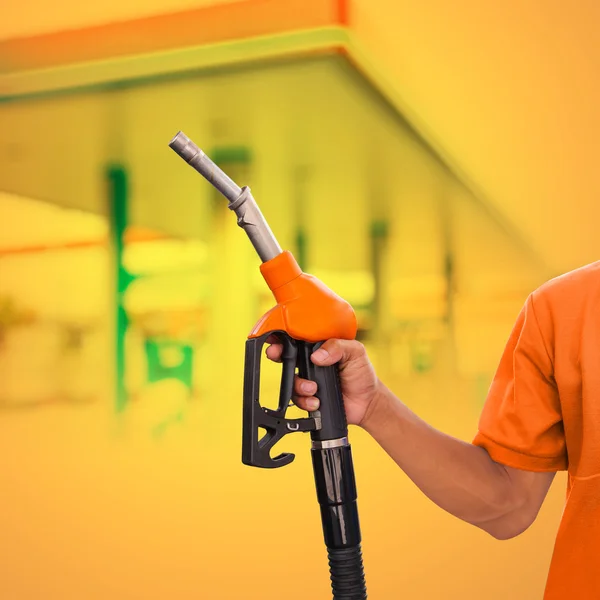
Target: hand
[{"x": 359, "y": 382}]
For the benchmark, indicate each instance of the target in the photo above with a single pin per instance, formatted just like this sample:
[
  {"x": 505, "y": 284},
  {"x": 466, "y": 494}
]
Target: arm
[{"x": 458, "y": 476}]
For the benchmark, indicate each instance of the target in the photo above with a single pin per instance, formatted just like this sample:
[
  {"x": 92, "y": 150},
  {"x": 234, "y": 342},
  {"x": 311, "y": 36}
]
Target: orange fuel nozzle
[{"x": 306, "y": 308}]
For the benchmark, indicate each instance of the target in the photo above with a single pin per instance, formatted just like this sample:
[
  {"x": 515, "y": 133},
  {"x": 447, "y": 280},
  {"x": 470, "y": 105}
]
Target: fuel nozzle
[{"x": 249, "y": 217}]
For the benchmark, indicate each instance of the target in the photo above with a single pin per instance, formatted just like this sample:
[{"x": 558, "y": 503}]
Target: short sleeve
[{"x": 521, "y": 423}]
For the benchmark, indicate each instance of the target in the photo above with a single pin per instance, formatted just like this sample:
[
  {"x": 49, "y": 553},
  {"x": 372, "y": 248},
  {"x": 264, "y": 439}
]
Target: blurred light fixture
[{"x": 164, "y": 256}]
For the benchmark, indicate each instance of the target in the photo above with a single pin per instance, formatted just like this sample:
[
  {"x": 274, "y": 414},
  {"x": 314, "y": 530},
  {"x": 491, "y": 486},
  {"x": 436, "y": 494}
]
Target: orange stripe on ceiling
[
  {"x": 343, "y": 8},
  {"x": 208, "y": 25},
  {"x": 133, "y": 235},
  {"x": 50, "y": 247}
]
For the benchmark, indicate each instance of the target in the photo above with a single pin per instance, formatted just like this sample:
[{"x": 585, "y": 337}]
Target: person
[{"x": 541, "y": 416}]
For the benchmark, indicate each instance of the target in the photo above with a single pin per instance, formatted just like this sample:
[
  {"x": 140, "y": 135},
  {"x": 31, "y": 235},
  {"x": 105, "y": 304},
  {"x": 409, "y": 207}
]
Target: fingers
[
  {"x": 304, "y": 391},
  {"x": 331, "y": 352},
  {"x": 304, "y": 387},
  {"x": 309, "y": 404},
  {"x": 274, "y": 351},
  {"x": 334, "y": 351}
]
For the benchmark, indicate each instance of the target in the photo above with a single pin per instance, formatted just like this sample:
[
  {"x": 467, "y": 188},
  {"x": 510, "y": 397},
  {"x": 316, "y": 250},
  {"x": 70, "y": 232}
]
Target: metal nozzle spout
[
  {"x": 250, "y": 219},
  {"x": 185, "y": 148}
]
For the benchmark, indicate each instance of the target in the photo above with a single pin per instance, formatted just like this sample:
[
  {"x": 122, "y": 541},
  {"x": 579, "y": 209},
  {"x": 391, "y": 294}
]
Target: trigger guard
[{"x": 255, "y": 450}]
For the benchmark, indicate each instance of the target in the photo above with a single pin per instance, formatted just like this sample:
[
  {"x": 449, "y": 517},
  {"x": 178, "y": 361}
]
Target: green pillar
[
  {"x": 118, "y": 210},
  {"x": 301, "y": 248},
  {"x": 379, "y": 236}
]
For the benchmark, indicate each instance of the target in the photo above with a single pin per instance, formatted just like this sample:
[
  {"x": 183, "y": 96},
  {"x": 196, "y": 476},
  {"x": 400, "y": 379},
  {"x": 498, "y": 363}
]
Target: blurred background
[{"x": 432, "y": 162}]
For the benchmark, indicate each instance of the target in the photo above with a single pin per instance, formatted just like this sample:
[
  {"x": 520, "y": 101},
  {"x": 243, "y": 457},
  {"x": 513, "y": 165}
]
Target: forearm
[{"x": 459, "y": 477}]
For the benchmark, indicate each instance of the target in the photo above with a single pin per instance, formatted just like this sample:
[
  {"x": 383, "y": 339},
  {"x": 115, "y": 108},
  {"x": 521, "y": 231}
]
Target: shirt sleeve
[{"x": 521, "y": 423}]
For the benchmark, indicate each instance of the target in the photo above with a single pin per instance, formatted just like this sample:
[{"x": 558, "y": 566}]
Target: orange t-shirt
[{"x": 543, "y": 414}]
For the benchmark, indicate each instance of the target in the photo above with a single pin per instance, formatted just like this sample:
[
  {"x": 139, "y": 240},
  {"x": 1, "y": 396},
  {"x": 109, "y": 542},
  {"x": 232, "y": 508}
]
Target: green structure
[
  {"x": 118, "y": 186},
  {"x": 154, "y": 348}
]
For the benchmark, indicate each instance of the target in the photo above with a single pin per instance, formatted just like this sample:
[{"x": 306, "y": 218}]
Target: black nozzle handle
[{"x": 335, "y": 482}]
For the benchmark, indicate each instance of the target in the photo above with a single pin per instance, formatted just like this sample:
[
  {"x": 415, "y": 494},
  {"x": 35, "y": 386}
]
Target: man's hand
[{"x": 359, "y": 382}]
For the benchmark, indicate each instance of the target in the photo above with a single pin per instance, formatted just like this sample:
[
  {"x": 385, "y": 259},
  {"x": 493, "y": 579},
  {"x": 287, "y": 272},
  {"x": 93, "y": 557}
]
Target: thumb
[{"x": 334, "y": 351}]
